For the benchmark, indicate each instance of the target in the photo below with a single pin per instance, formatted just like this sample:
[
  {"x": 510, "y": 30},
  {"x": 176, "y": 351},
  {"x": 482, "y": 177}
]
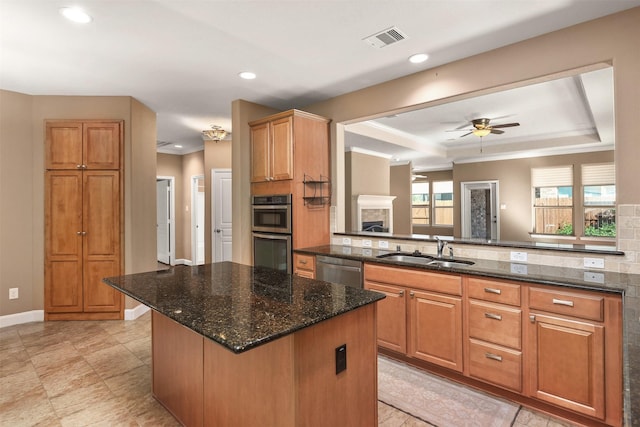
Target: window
[
  {"x": 553, "y": 200},
  {"x": 599, "y": 200},
  {"x": 420, "y": 203},
  {"x": 443, "y": 203}
]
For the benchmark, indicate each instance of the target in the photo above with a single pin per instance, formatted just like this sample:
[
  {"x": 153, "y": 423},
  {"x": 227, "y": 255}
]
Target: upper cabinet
[
  {"x": 83, "y": 145},
  {"x": 272, "y": 150}
]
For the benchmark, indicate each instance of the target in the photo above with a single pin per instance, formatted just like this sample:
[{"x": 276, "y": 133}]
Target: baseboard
[
  {"x": 19, "y": 318},
  {"x": 183, "y": 262},
  {"x": 134, "y": 313}
]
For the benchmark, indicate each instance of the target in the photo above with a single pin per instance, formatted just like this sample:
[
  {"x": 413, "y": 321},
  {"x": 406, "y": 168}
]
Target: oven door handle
[{"x": 273, "y": 236}]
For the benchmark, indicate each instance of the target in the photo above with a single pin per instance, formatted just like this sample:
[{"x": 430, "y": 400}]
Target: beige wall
[
  {"x": 514, "y": 178},
  {"x": 367, "y": 175},
  {"x": 171, "y": 165},
  {"x": 400, "y": 186},
  {"x": 217, "y": 155},
  {"x": 22, "y": 124},
  {"x": 612, "y": 39}
]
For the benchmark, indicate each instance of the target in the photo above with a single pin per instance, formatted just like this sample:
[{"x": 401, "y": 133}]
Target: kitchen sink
[
  {"x": 448, "y": 263},
  {"x": 418, "y": 258}
]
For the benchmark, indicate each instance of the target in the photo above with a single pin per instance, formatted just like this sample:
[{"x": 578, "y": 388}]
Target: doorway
[
  {"x": 165, "y": 214},
  {"x": 222, "y": 217},
  {"x": 480, "y": 214},
  {"x": 197, "y": 220}
]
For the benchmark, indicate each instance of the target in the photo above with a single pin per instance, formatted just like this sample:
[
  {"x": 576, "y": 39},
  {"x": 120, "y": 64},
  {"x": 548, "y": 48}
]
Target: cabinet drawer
[
  {"x": 497, "y": 324},
  {"x": 413, "y": 278},
  {"x": 495, "y": 364},
  {"x": 304, "y": 262},
  {"x": 577, "y": 304},
  {"x": 489, "y": 290}
]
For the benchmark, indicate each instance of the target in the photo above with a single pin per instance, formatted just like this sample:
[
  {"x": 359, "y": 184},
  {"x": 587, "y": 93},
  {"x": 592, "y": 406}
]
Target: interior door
[
  {"x": 222, "y": 214},
  {"x": 162, "y": 221},
  {"x": 480, "y": 215}
]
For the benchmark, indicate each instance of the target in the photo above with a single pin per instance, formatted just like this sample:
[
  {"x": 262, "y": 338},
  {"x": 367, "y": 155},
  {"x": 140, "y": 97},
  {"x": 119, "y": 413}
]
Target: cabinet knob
[
  {"x": 81, "y": 233},
  {"x": 532, "y": 318},
  {"x": 401, "y": 293},
  {"x": 411, "y": 294}
]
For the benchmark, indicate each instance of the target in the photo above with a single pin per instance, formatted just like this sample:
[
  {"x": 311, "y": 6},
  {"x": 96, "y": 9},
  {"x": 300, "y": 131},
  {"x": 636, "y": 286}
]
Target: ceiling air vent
[
  {"x": 162, "y": 143},
  {"x": 385, "y": 37}
]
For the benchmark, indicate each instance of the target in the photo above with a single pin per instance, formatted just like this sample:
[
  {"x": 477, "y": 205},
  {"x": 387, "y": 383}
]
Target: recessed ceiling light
[
  {"x": 178, "y": 146},
  {"x": 76, "y": 15},
  {"x": 247, "y": 75},
  {"x": 418, "y": 58}
]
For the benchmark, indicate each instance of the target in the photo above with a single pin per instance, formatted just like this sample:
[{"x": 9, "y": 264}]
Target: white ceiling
[{"x": 182, "y": 57}]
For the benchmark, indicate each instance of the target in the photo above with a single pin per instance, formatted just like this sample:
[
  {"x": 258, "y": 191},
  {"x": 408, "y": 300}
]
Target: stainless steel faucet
[{"x": 441, "y": 246}]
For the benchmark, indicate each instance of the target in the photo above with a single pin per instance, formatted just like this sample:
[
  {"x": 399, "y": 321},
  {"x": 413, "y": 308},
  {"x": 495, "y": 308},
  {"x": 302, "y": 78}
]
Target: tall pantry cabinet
[{"x": 83, "y": 211}]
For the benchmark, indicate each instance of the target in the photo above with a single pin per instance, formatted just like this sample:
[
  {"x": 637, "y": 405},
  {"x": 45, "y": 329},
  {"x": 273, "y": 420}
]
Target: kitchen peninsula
[{"x": 241, "y": 345}]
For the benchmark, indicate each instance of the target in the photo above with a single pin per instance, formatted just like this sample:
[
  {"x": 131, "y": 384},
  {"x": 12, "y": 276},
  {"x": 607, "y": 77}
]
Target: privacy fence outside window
[
  {"x": 552, "y": 200},
  {"x": 420, "y": 203},
  {"x": 599, "y": 199},
  {"x": 443, "y": 203}
]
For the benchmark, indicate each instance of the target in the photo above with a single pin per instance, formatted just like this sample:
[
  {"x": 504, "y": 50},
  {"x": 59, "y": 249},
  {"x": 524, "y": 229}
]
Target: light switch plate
[
  {"x": 346, "y": 241},
  {"x": 383, "y": 244},
  {"x": 366, "y": 243}
]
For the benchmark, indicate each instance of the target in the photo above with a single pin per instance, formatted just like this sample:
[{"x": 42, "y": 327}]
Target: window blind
[
  {"x": 558, "y": 176},
  {"x": 598, "y": 174}
]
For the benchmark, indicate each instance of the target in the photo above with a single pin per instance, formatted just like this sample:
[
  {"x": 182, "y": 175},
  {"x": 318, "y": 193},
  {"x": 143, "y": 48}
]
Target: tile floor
[{"x": 99, "y": 373}]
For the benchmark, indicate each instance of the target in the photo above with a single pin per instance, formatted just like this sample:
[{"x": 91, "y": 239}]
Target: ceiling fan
[{"x": 481, "y": 127}]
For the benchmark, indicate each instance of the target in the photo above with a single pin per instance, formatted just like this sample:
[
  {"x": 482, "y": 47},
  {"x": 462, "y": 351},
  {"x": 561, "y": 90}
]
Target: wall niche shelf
[{"x": 316, "y": 191}]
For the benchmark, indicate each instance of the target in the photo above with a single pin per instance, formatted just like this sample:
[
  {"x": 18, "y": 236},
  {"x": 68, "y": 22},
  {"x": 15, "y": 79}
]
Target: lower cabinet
[
  {"x": 542, "y": 345},
  {"x": 304, "y": 265}
]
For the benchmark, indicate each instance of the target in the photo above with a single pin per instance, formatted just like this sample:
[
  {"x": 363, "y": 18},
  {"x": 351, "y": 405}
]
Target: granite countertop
[
  {"x": 628, "y": 285},
  {"x": 239, "y": 306}
]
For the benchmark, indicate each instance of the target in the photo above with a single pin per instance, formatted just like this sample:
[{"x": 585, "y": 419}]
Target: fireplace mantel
[{"x": 373, "y": 208}]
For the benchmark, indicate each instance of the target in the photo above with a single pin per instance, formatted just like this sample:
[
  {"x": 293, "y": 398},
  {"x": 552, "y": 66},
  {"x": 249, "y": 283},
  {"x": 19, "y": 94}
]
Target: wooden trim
[
  {"x": 294, "y": 113},
  {"x": 111, "y": 315}
]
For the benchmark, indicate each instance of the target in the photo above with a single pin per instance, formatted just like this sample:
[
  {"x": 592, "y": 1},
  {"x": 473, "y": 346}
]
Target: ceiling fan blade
[
  {"x": 506, "y": 125},
  {"x": 462, "y": 136},
  {"x": 458, "y": 130},
  {"x": 497, "y": 131}
]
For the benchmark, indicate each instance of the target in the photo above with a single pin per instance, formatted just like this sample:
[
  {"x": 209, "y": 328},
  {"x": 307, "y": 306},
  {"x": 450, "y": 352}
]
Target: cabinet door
[
  {"x": 392, "y": 319},
  {"x": 101, "y": 145},
  {"x": 435, "y": 329},
  {"x": 63, "y": 145},
  {"x": 101, "y": 254},
  {"x": 63, "y": 241},
  {"x": 282, "y": 149},
  {"x": 567, "y": 364},
  {"x": 260, "y": 170}
]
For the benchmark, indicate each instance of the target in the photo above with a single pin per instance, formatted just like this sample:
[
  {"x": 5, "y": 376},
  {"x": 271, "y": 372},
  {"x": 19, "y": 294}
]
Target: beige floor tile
[
  {"x": 113, "y": 361},
  {"x": 81, "y": 399},
  {"x": 107, "y": 412}
]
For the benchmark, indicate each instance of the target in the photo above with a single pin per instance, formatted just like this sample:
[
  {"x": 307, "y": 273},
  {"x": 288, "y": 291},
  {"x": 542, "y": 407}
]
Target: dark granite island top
[{"x": 239, "y": 306}]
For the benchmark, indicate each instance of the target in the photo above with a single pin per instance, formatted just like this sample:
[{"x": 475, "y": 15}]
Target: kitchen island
[{"x": 244, "y": 346}]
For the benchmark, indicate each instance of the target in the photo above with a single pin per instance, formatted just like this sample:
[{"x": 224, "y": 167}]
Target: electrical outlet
[
  {"x": 519, "y": 256},
  {"x": 383, "y": 244},
  {"x": 13, "y": 293},
  {"x": 590, "y": 276},
  {"x": 367, "y": 252},
  {"x": 366, "y": 243},
  {"x": 594, "y": 262},
  {"x": 346, "y": 241},
  {"x": 518, "y": 269}
]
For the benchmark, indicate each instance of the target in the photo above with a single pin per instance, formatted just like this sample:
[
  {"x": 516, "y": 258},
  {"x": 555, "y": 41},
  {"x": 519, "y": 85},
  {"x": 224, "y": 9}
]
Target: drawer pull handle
[
  {"x": 493, "y": 316},
  {"x": 563, "y": 302},
  {"x": 493, "y": 291},
  {"x": 493, "y": 357},
  {"x": 303, "y": 261}
]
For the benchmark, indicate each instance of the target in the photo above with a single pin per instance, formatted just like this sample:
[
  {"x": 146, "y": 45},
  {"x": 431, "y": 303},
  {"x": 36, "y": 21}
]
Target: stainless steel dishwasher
[{"x": 339, "y": 270}]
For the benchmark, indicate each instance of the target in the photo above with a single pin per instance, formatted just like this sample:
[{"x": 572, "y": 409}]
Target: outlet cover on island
[
  {"x": 13, "y": 293},
  {"x": 594, "y": 262},
  {"x": 519, "y": 256},
  {"x": 383, "y": 244}
]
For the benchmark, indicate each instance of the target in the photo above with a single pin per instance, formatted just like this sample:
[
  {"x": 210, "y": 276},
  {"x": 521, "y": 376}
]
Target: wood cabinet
[
  {"x": 290, "y": 155},
  {"x": 304, "y": 265},
  {"x": 494, "y": 332},
  {"x": 272, "y": 150},
  {"x": 83, "y": 228},
  {"x": 422, "y": 314},
  {"x": 574, "y": 357}
]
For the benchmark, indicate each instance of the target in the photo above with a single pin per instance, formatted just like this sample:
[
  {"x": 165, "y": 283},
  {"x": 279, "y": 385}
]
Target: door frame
[
  {"x": 194, "y": 213},
  {"x": 465, "y": 201},
  {"x": 214, "y": 173},
  {"x": 172, "y": 216}
]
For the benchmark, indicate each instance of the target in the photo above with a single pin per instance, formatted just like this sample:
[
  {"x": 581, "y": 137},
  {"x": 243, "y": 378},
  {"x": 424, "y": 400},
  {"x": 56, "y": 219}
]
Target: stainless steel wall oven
[{"x": 271, "y": 227}]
